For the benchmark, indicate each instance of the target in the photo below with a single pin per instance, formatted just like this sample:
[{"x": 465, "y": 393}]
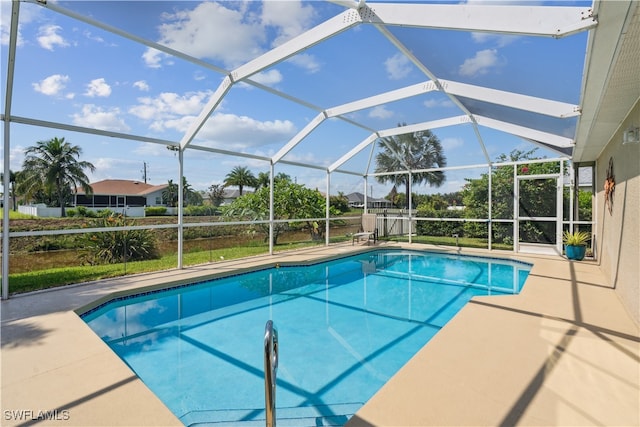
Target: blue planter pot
[{"x": 575, "y": 252}]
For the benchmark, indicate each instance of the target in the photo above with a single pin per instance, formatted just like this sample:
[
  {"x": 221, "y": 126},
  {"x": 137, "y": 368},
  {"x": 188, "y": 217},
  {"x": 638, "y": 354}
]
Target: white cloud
[
  {"x": 196, "y": 31},
  {"x": 52, "y": 85},
  {"x": 48, "y": 37},
  {"x": 398, "y": 66},
  {"x": 16, "y": 157},
  {"x": 290, "y": 18},
  {"x": 98, "y": 87},
  {"x": 230, "y": 131},
  {"x": 498, "y": 40},
  {"x": 169, "y": 105},
  {"x": 180, "y": 124},
  {"x": 268, "y": 78},
  {"x": 142, "y": 85},
  {"x": 451, "y": 143},
  {"x": 27, "y": 15},
  {"x": 173, "y": 112},
  {"x": 480, "y": 63},
  {"x": 435, "y": 103},
  {"x": 153, "y": 58},
  {"x": 306, "y": 61},
  {"x": 380, "y": 112},
  {"x": 90, "y": 36},
  {"x": 99, "y": 118}
]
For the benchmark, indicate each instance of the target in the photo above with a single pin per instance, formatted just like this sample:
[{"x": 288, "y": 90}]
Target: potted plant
[{"x": 575, "y": 244}]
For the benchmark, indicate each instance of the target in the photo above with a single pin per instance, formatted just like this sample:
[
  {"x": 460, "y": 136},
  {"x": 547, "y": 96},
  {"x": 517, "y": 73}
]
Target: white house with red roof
[{"x": 120, "y": 193}]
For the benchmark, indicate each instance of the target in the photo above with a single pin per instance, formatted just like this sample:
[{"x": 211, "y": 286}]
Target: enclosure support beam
[
  {"x": 559, "y": 208},
  {"x": 410, "y": 178},
  {"x": 15, "y": 9},
  {"x": 490, "y": 222},
  {"x": 180, "y": 205},
  {"x": 366, "y": 199},
  {"x": 516, "y": 207},
  {"x": 327, "y": 209},
  {"x": 545, "y": 21},
  {"x": 271, "y": 214},
  {"x": 533, "y": 135},
  {"x": 284, "y": 51}
]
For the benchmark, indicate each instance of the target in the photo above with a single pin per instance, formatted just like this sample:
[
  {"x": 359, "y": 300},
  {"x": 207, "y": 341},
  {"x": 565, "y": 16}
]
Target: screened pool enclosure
[{"x": 317, "y": 91}]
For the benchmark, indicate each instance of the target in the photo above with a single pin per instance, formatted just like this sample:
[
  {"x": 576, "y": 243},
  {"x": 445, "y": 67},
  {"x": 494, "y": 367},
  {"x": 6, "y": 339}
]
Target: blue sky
[{"x": 73, "y": 73}]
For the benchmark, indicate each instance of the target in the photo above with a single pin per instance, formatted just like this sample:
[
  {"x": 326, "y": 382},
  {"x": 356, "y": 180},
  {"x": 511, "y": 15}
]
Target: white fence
[
  {"x": 44, "y": 212},
  {"x": 393, "y": 222}
]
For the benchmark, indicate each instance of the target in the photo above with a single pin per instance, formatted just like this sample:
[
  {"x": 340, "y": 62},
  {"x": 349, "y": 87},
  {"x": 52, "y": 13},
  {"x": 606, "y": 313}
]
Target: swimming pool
[{"x": 345, "y": 327}]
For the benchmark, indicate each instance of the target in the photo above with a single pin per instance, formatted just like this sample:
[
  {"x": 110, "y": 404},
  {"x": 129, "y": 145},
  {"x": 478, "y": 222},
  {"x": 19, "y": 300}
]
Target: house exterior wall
[
  {"x": 112, "y": 201},
  {"x": 155, "y": 198},
  {"x": 618, "y": 230}
]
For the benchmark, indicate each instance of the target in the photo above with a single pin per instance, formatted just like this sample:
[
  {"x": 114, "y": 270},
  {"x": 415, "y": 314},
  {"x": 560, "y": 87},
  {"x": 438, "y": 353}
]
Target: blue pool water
[{"x": 345, "y": 327}]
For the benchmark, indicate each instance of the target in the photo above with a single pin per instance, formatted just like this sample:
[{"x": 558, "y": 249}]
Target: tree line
[{"x": 52, "y": 170}]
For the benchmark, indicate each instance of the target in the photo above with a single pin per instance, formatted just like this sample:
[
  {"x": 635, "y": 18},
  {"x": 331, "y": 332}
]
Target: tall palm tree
[
  {"x": 189, "y": 195},
  {"x": 411, "y": 152},
  {"x": 170, "y": 194},
  {"x": 241, "y": 177},
  {"x": 13, "y": 179},
  {"x": 54, "y": 166},
  {"x": 264, "y": 179}
]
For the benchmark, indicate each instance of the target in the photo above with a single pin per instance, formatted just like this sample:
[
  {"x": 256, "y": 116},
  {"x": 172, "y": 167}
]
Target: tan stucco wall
[{"x": 618, "y": 231}]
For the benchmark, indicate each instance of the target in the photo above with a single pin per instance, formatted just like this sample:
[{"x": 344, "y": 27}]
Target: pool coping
[{"x": 54, "y": 366}]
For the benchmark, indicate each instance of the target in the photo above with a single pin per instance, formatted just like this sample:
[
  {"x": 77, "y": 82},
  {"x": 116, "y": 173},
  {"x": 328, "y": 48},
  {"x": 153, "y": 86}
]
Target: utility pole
[{"x": 144, "y": 172}]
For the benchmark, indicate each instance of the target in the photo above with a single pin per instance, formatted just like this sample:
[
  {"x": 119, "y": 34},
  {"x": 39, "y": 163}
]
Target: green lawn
[
  {"x": 54, "y": 277},
  {"x": 17, "y": 215}
]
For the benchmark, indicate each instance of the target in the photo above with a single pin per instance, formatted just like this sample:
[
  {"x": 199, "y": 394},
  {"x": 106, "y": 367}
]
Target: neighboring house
[
  {"x": 356, "y": 200},
  {"x": 118, "y": 193},
  {"x": 231, "y": 194}
]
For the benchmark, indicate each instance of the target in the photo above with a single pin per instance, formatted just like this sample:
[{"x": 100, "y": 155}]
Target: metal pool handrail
[{"x": 270, "y": 371}]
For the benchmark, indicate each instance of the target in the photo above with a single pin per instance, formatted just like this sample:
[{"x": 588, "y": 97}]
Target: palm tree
[
  {"x": 189, "y": 195},
  {"x": 53, "y": 167},
  {"x": 411, "y": 152},
  {"x": 264, "y": 179},
  {"x": 241, "y": 177},
  {"x": 13, "y": 179},
  {"x": 170, "y": 194}
]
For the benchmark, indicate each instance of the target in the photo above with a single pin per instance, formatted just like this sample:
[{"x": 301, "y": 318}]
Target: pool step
[{"x": 302, "y": 416}]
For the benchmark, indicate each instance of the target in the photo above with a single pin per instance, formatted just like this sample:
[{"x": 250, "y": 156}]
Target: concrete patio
[{"x": 563, "y": 352}]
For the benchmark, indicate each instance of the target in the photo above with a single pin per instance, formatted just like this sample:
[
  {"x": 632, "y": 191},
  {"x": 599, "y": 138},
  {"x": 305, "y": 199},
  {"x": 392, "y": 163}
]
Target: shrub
[
  {"x": 155, "y": 211},
  {"x": 80, "y": 212},
  {"x": 104, "y": 213},
  {"x": 200, "y": 210},
  {"x": 439, "y": 228},
  {"x": 110, "y": 247}
]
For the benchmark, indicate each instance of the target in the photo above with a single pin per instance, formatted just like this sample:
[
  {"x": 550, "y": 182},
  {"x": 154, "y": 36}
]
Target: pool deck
[{"x": 563, "y": 352}]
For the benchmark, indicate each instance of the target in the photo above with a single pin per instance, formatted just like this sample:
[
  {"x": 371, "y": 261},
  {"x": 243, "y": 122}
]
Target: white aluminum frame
[{"x": 501, "y": 19}]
